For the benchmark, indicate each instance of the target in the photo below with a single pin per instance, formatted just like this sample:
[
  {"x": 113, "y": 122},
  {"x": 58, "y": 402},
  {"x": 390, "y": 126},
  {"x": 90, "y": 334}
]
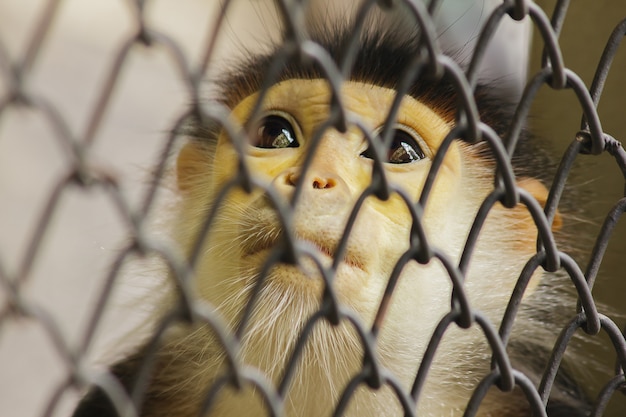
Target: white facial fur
[{"x": 247, "y": 228}]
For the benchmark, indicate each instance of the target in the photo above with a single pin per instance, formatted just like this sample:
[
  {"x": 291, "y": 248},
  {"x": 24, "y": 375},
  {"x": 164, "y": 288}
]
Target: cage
[{"x": 93, "y": 97}]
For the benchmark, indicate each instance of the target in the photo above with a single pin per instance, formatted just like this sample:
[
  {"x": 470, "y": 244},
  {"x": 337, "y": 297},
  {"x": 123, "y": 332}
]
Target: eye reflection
[
  {"x": 403, "y": 149},
  {"x": 275, "y": 132}
]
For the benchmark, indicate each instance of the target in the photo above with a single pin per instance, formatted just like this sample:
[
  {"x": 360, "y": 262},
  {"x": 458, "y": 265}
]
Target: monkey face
[
  {"x": 248, "y": 227},
  {"x": 292, "y": 113}
]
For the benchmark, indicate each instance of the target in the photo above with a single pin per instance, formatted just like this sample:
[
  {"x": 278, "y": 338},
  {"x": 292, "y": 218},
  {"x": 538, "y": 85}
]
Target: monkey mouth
[
  {"x": 258, "y": 241},
  {"x": 350, "y": 258},
  {"x": 262, "y": 232}
]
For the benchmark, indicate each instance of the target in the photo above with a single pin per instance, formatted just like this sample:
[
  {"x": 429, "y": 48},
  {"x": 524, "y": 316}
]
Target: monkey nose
[
  {"x": 321, "y": 191},
  {"x": 323, "y": 183},
  {"x": 316, "y": 181}
]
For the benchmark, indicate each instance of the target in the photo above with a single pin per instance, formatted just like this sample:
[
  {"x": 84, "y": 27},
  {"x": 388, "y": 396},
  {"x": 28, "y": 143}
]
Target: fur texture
[{"x": 190, "y": 358}]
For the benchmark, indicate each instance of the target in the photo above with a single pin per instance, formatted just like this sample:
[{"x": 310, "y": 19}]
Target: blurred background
[{"x": 86, "y": 230}]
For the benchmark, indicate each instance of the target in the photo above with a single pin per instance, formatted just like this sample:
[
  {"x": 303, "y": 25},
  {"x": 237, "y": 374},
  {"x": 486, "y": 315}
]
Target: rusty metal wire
[{"x": 80, "y": 173}]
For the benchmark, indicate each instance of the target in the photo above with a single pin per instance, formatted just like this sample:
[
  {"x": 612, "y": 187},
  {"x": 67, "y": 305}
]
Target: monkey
[{"x": 278, "y": 240}]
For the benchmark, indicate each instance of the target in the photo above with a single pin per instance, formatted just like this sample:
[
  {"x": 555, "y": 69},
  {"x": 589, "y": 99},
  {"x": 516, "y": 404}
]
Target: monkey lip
[
  {"x": 352, "y": 257},
  {"x": 262, "y": 232}
]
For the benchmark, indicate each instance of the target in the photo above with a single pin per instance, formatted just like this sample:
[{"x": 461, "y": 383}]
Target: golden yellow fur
[{"x": 247, "y": 228}]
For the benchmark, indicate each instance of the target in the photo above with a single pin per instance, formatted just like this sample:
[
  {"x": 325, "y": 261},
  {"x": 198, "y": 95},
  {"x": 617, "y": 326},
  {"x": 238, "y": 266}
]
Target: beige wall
[
  {"x": 596, "y": 182},
  {"x": 87, "y": 231}
]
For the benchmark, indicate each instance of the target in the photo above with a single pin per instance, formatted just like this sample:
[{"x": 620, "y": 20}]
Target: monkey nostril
[{"x": 320, "y": 183}]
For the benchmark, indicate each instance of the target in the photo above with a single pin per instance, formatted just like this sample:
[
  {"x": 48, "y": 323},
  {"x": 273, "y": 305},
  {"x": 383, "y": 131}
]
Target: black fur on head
[{"x": 383, "y": 57}]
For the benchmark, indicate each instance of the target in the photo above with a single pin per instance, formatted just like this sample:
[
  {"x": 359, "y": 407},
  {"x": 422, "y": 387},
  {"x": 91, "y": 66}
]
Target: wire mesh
[{"x": 77, "y": 170}]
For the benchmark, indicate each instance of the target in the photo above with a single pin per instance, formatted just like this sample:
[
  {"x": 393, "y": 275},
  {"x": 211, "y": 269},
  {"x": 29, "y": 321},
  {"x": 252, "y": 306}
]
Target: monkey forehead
[{"x": 308, "y": 101}]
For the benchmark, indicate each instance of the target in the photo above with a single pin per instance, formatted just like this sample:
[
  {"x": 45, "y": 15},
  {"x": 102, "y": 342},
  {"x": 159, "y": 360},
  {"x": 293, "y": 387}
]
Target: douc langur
[{"x": 296, "y": 116}]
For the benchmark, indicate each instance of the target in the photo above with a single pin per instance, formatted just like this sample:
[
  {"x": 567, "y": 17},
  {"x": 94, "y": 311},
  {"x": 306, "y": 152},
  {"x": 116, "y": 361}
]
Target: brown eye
[
  {"x": 403, "y": 149},
  {"x": 276, "y": 132}
]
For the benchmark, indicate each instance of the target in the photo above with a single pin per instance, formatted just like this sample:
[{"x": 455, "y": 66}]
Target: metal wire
[{"x": 83, "y": 175}]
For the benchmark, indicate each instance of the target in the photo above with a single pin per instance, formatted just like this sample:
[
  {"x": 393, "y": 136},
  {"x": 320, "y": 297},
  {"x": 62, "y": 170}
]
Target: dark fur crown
[{"x": 384, "y": 58}]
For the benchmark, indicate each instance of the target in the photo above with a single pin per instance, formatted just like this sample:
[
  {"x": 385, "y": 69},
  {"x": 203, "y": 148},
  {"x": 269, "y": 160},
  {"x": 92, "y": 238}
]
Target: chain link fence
[{"x": 71, "y": 104}]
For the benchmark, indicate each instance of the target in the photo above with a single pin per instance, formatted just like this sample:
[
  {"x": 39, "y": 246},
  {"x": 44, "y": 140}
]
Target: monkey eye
[
  {"x": 275, "y": 132},
  {"x": 403, "y": 149}
]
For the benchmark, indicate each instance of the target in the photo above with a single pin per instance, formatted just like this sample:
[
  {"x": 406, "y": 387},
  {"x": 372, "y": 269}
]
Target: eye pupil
[
  {"x": 276, "y": 132},
  {"x": 404, "y": 149}
]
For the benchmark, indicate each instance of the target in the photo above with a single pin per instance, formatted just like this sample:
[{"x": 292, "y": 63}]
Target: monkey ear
[
  {"x": 191, "y": 165},
  {"x": 540, "y": 193}
]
